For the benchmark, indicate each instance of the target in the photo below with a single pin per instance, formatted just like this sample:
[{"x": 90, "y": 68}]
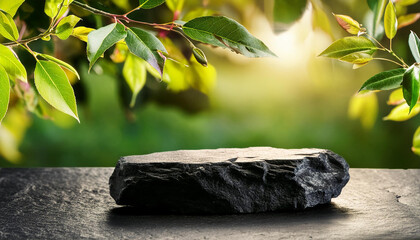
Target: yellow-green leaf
[
  {"x": 357, "y": 57},
  {"x": 396, "y": 97},
  {"x": 65, "y": 27},
  {"x": 8, "y": 27},
  {"x": 174, "y": 76},
  {"x": 416, "y": 142},
  {"x": 349, "y": 45},
  {"x": 390, "y": 20},
  {"x": 348, "y": 23},
  {"x": 10, "y": 6},
  {"x": 200, "y": 77},
  {"x": 407, "y": 19},
  {"x": 401, "y": 112},
  {"x": 406, "y": 2},
  {"x": 320, "y": 20},
  {"x": 198, "y": 12},
  {"x": 4, "y": 93},
  {"x": 12, "y": 65},
  {"x": 123, "y": 4},
  {"x": 82, "y": 33},
  {"x": 12, "y": 131},
  {"x": 120, "y": 52},
  {"x": 365, "y": 108},
  {"x": 134, "y": 73},
  {"x": 56, "y": 8},
  {"x": 61, "y": 63},
  {"x": 52, "y": 84}
]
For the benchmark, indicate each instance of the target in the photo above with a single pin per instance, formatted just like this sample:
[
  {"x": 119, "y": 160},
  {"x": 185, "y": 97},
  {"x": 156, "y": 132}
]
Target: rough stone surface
[
  {"x": 74, "y": 203},
  {"x": 232, "y": 180}
]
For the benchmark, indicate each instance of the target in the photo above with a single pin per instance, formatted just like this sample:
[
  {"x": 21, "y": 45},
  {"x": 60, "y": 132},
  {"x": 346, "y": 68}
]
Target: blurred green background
[{"x": 297, "y": 100}]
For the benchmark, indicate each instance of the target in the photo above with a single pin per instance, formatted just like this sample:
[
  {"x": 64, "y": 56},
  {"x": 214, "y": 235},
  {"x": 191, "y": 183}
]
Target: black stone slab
[
  {"x": 231, "y": 180},
  {"x": 74, "y": 203}
]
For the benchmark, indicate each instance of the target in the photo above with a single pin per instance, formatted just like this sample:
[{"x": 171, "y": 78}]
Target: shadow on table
[{"x": 133, "y": 218}]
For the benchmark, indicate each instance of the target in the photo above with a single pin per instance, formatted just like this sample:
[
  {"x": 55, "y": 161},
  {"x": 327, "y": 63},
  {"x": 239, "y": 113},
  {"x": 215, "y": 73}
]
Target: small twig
[
  {"x": 388, "y": 50},
  {"x": 374, "y": 39},
  {"x": 389, "y": 60},
  {"x": 117, "y": 18},
  {"x": 137, "y": 8}
]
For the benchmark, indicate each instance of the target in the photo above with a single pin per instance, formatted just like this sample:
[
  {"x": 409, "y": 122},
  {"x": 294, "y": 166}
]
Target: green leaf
[
  {"x": 134, "y": 73},
  {"x": 286, "y": 11},
  {"x": 61, "y": 63},
  {"x": 408, "y": 19},
  {"x": 148, "y": 4},
  {"x": 227, "y": 33},
  {"x": 10, "y": 6},
  {"x": 146, "y": 46},
  {"x": 103, "y": 38},
  {"x": 52, "y": 84},
  {"x": 4, "y": 92},
  {"x": 414, "y": 43},
  {"x": 378, "y": 7},
  {"x": 348, "y": 23},
  {"x": 7, "y": 26},
  {"x": 385, "y": 80},
  {"x": 411, "y": 85},
  {"x": 12, "y": 65},
  {"x": 401, "y": 113},
  {"x": 65, "y": 27},
  {"x": 390, "y": 20},
  {"x": 52, "y": 7},
  {"x": 416, "y": 142},
  {"x": 348, "y": 45}
]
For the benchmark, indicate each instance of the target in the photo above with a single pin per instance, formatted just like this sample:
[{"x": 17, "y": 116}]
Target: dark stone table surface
[{"x": 74, "y": 203}]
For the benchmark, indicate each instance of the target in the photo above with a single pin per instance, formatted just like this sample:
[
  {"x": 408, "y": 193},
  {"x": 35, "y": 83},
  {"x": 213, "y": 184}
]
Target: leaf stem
[
  {"x": 389, "y": 50},
  {"x": 396, "y": 56},
  {"x": 132, "y": 10},
  {"x": 389, "y": 60},
  {"x": 374, "y": 39}
]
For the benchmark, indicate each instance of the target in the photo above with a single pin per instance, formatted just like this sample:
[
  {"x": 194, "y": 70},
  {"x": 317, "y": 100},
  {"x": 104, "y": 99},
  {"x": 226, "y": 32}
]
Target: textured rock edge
[{"x": 296, "y": 174}]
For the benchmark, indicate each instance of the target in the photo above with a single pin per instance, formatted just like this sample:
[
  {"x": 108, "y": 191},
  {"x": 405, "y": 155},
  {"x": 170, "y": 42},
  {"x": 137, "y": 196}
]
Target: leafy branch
[
  {"x": 142, "y": 50},
  {"x": 359, "y": 51}
]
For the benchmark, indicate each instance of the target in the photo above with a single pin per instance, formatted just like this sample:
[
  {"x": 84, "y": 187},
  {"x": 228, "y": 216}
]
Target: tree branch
[{"x": 86, "y": 7}]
